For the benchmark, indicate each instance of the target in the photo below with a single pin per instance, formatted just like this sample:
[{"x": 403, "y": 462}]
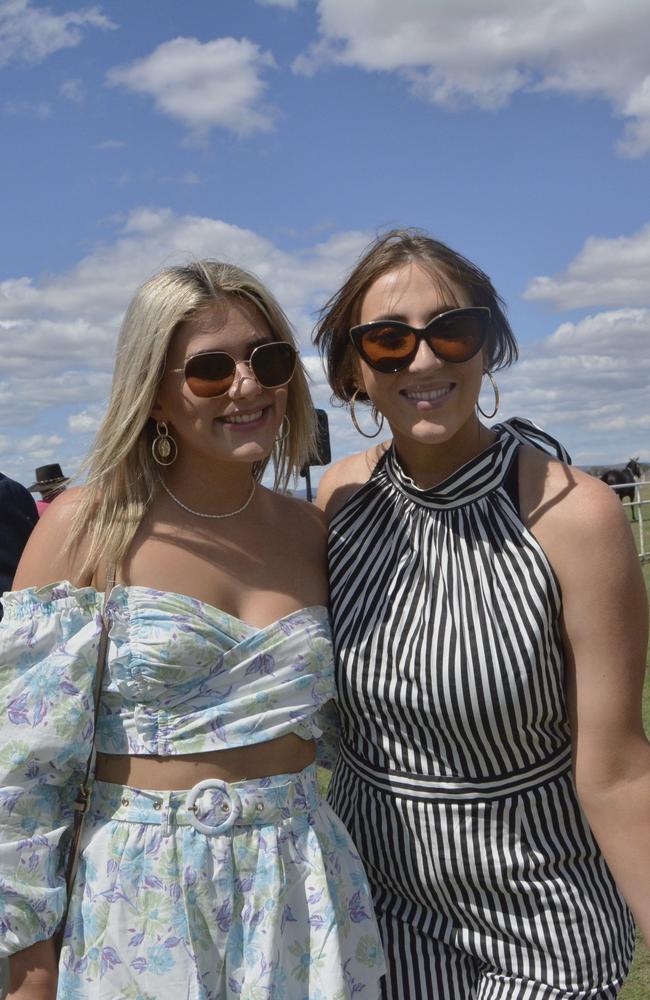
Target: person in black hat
[
  {"x": 50, "y": 481},
  {"x": 18, "y": 515}
]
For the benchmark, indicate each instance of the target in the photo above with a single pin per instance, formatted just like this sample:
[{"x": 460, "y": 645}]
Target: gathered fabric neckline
[
  {"x": 480, "y": 475},
  {"x": 24, "y": 603},
  {"x": 316, "y": 610}
]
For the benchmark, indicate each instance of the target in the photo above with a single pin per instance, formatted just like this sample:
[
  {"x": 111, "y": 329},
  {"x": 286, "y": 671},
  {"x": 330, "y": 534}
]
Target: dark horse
[{"x": 624, "y": 478}]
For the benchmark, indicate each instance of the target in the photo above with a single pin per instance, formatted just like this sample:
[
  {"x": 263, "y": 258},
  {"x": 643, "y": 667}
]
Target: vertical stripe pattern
[{"x": 454, "y": 777}]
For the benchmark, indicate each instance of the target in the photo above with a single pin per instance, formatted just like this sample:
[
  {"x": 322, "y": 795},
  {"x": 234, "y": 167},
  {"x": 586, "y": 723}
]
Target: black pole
[{"x": 322, "y": 455}]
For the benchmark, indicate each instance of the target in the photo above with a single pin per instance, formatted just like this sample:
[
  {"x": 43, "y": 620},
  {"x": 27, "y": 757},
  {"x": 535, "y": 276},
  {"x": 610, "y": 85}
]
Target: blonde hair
[{"x": 122, "y": 474}]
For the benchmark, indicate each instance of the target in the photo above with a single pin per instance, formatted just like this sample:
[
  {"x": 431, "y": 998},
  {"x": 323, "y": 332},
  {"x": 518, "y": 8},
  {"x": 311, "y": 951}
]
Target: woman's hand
[{"x": 33, "y": 973}]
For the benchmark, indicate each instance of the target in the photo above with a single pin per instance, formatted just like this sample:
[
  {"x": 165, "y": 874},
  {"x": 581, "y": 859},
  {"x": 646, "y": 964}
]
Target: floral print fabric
[
  {"x": 276, "y": 906},
  {"x": 47, "y": 667},
  {"x": 181, "y": 677}
]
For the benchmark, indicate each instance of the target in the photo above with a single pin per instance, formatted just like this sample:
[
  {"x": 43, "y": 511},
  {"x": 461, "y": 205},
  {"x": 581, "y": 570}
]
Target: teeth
[
  {"x": 429, "y": 394},
  {"x": 243, "y": 418}
]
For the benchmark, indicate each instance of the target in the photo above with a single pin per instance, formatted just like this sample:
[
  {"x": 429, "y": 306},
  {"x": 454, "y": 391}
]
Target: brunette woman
[{"x": 490, "y": 626}]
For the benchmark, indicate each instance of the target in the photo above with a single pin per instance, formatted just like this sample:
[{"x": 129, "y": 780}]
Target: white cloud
[
  {"x": 31, "y": 33},
  {"x": 57, "y": 334},
  {"x": 20, "y": 456},
  {"x": 111, "y": 144},
  {"x": 36, "y": 449},
  {"x": 86, "y": 421},
  {"x": 204, "y": 85},
  {"x": 479, "y": 53},
  {"x": 28, "y": 109},
  {"x": 608, "y": 272},
  {"x": 96, "y": 291},
  {"x": 73, "y": 90},
  {"x": 609, "y": 335},
  {"x": 287, "y": 4},
  {"x": 589, "y": 383}
]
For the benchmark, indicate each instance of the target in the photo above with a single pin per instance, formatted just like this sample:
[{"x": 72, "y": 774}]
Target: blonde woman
[{"x": 210, "y": 866}]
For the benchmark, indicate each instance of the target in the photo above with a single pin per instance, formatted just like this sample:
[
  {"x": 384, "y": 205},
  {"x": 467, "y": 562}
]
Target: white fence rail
[{"x": 637, "y": 506}]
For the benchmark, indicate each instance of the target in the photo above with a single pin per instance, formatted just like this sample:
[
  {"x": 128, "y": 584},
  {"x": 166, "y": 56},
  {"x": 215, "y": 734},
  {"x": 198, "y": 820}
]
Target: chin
[
  {"x": 428, "y": 430},
  {"x": 250, "y": 453}
]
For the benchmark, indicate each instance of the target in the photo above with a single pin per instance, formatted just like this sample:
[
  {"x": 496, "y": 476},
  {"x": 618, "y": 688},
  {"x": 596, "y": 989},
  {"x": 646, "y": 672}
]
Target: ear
[
  {"x": 157, "y": 412},
  {"x": 357, "y": 374}
]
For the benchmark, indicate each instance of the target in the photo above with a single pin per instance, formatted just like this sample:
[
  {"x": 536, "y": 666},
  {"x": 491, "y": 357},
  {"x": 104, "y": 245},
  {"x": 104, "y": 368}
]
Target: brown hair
[{"x": 448, "y": 269}]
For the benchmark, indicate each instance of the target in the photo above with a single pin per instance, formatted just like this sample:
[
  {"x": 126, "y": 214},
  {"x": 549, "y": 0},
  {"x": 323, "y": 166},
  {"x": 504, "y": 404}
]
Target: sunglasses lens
[
  {"x": 387, "y": 348},
  {"x": 459, "y": 336},
  {"x": 273, "y": 364},
  {"x": 210, "y": 374}
]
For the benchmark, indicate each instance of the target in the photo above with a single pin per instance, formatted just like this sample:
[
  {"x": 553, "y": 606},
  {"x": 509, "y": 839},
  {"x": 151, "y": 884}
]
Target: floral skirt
[{"x": 243, "y": 891}]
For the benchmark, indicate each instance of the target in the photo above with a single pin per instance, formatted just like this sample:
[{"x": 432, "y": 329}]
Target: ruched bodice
[
  {"x": 182, "y": 676},
  {"x": 185, "y": 677}
]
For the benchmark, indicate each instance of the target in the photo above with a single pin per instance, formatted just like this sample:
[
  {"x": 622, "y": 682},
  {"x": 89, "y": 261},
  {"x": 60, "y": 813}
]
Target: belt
[
  {"x": 212, "y": 806},
  {"x": 453, "y": 788}
]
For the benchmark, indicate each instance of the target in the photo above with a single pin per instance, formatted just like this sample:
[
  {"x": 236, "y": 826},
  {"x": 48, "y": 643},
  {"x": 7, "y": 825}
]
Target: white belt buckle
[{"x": 231, "y": 806}]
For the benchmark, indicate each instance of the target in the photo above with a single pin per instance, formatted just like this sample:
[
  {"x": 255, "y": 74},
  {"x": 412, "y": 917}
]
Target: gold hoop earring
[
  {"x": 356, "y": 422},
  {"x": 283, "y": 432},
  {"x": 488, "y": 416},
  {"x": 163, "y": 447}
]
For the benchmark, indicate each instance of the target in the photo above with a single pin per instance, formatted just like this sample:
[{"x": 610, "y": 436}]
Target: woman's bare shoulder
[
  {"x": 577, "y": 519},
  {"x": 46, "y": 558},
  {"x": 299, "y": 511},
  {"x": 562, "y": 493},
  {"x": 346, "y": 476},
  {"x": 302, "y": 521}
]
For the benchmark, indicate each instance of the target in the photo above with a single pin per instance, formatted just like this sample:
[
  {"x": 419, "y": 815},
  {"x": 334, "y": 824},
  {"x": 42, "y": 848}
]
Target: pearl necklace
[{"x": 199, "y": 513}]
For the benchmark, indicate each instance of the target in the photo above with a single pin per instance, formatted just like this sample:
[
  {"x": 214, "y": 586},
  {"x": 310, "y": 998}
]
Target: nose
[
  {"x": 244, "y": 382},
  {"x": 424, "y": 358}
]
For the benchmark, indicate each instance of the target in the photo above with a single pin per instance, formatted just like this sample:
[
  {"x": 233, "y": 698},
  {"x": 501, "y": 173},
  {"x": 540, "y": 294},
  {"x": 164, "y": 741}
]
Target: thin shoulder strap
[
  {"x": 83, "y": 795},
  {"x": 101, "y": 655}
]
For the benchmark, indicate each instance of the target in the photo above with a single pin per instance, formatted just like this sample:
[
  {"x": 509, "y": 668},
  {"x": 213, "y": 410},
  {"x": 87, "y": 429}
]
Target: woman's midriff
[{"x": 286, "y": 755}]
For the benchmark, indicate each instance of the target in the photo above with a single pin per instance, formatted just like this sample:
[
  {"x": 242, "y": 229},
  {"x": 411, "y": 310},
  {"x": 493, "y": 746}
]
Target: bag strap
[
  {"x": 84, "y": 790},
  {"x": 82, "y": 800}
]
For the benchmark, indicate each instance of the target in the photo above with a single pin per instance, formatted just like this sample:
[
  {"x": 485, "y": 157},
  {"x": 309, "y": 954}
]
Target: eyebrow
[
  {"x": 250, "y": 347},
  {"x": 398, "y": 317}
]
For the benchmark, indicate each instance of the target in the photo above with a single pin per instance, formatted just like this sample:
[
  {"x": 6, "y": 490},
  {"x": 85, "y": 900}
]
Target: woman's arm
[
  {"x": 33, "y": 970},
  {"x": 345, "y": 477},
  {"x": 605, "y": 625},
  {"x": 45, "y": 558},
  {"x": 33, "y": 973}
]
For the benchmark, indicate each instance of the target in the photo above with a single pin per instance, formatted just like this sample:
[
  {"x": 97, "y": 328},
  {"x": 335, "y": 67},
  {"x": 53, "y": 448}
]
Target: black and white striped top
[{"x": 446, "y": 622}]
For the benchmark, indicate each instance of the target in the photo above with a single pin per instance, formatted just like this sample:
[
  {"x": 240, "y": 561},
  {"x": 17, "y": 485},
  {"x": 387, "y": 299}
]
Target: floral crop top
[{"x": 181, "y": 677}]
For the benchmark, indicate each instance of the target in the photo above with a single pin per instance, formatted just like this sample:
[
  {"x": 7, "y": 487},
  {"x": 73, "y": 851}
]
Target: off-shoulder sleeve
[{"x": 48, "y": 657}]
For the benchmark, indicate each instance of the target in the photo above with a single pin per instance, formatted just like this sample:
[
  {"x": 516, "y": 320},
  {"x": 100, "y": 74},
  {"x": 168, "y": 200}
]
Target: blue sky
[{"x": 283, "y": 136}]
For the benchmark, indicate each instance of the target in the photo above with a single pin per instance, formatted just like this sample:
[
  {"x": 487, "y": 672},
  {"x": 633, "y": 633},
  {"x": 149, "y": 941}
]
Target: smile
[
  {"x": 243, "y": 418},
  {"x": 428, "y": 394}
]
